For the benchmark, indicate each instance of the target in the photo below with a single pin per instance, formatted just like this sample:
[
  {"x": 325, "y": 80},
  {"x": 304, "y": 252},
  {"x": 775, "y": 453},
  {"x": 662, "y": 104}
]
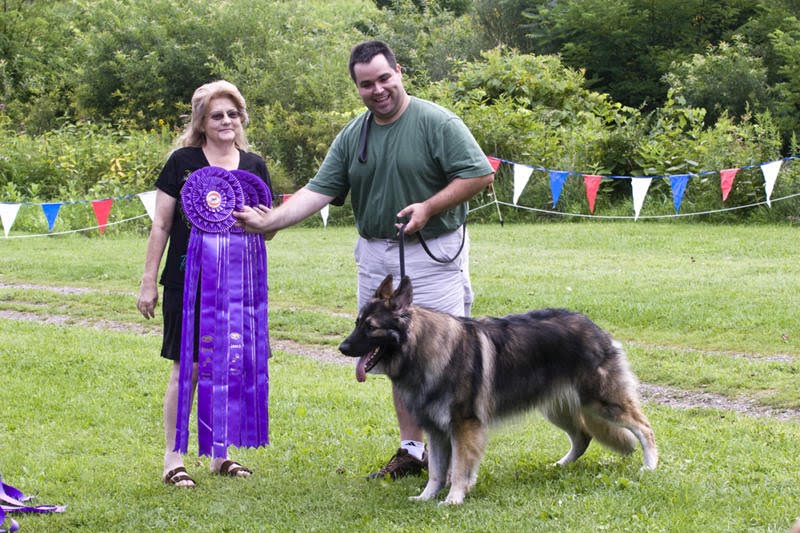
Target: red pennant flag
[
  {"x": 101, "y": 210},
  {"x": 592, "y": 182},
  {"x": 494, "y": 162},
  {"x": 727, "y": 176}
]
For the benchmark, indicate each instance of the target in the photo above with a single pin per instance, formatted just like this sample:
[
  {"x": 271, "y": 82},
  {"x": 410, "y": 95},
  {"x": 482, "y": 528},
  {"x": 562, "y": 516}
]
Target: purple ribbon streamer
[
  {"x": 235, "y": 335},
  {"x": 227, "y": 269},
  {"x": 12, "y": 500},
  {"x": 13, "y": 526}
]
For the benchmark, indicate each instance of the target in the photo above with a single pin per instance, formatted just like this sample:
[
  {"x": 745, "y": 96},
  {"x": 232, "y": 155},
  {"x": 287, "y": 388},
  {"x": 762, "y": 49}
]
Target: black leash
[{"x": 401, "y": 233}]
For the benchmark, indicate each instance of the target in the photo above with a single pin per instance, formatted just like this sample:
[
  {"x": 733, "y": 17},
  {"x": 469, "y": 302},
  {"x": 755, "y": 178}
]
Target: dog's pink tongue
[{"x": 361, "y": 369}]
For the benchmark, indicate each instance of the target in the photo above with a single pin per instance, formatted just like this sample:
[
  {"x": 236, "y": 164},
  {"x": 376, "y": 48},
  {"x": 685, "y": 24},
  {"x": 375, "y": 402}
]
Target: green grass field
[{"x": 707, "y": 310}]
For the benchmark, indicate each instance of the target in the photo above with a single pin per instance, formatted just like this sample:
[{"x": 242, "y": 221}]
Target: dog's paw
[
  {"x": 430, "y": 491},
  {"x": 453, "y": 500}
]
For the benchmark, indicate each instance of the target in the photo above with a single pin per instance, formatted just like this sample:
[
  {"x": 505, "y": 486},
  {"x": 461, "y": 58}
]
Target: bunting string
[
  {"x": 639, "y": 185},
  {"x": 90, "y": 228},
  {"x": 522, "y": 173},
  {"x": 628, "y": 217}
]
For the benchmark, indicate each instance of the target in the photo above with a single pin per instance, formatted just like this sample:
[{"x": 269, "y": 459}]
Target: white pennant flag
[
  {"x": 639, "y": 186},
  {"x": 324, "y": 212},
  {"x": 8, "y": 213},
  {"x": 521, "y": 175},
  {"x": 770, "y": 171},
  {"x": 149, "y": 200}
]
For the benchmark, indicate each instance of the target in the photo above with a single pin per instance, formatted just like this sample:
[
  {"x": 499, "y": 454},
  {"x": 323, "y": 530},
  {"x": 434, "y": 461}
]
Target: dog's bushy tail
[{"x": 617, "y": 438}]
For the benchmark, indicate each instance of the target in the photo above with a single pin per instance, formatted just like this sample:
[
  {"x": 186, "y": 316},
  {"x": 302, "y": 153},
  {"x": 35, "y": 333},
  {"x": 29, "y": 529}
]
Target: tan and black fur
[{"x": 457, "y": 375}]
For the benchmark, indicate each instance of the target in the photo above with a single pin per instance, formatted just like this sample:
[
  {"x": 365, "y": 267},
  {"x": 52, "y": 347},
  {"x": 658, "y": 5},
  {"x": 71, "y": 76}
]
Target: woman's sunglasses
[{"x": 232, "y": 114}]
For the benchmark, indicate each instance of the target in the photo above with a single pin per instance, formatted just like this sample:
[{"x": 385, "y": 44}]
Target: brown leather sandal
[
  {"x": 233, "y": 469},
  {"x": 177, "y": 475}
]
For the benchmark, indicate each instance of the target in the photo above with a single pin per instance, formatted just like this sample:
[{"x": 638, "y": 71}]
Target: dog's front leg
[
  {"x": 438, "y": 463},
  {"x": 469, "y": 442}
]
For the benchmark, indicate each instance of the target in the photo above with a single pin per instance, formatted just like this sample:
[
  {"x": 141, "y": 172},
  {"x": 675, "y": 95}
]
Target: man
[{"x": 408, "y": 159}]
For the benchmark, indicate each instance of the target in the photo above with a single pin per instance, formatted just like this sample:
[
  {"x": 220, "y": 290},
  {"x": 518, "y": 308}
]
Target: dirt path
[{"x": 669, "y": 396}]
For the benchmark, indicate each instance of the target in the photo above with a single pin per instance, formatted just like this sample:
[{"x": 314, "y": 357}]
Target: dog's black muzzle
[{"x": 346, "y": 348}]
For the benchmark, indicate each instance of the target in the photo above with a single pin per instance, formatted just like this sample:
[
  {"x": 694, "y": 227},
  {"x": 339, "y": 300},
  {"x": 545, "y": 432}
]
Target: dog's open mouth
[{"x": 366, "y": 363}]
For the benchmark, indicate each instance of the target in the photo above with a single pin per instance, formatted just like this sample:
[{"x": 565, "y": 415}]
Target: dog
[{"x": 456, "y": 375}]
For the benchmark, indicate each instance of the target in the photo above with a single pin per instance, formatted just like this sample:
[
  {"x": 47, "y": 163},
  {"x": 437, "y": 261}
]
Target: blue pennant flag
[
  {"x": 678, "y": 184},
  {"x": 557, "y": 179},
  {"x": 50, "y": 213}
]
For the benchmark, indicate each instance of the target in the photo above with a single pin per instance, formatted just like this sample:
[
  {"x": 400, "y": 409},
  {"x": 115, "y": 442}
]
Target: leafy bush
[{"x": 82, "y": 160}]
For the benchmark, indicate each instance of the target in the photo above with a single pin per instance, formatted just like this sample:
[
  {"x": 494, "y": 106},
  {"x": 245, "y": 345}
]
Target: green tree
[
  {"x": 728, "y": 78},
  {"x": 144, "y": 60},
  {"x": 457, "y": 7},
  {"x": 627, "y": 45},
  {"x": 37, "y": 63},
  {"x": 504, "y": 23},
  {"x": 787, "y": 105}
]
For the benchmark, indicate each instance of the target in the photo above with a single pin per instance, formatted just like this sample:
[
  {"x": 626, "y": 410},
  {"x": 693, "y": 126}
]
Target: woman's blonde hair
[{"x": 194, "y": 134}]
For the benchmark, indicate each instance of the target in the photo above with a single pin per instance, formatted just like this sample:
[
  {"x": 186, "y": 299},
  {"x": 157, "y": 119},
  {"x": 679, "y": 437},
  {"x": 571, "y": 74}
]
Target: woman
[{"x": 213, "y": 137}]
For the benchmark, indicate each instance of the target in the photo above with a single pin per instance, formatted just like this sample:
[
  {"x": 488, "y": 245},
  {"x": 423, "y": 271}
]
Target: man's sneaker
[{"x": 402, "y": 464}]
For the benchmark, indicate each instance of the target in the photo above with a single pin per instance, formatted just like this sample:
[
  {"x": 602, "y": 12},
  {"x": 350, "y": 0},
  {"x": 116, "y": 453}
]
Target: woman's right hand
[{"x": 148, "y": 298}]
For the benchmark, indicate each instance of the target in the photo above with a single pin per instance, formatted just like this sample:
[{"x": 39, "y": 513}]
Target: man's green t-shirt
[{"x": 408, "y": 161}]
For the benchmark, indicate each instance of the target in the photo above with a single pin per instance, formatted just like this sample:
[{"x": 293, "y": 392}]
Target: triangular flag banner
[
  {"x": 8, "y": 213},
  {"x": 494, "y": 162},
  {"x": 101, "y": 210},
  {"x": 770, "y": 171},
  {"x": 592, "y": 183},
  {"x": 50, "y": 213},
  {"x": 678, "y": 183},
  {"x": 726, "y": 181},
  {"x": 149, "y": 201},
  {"x": 639, "y": 186},
  {"x": 557, "y": 179},
  {"x": 324, "y": 212},
  {"x": 522, "y": 174}
]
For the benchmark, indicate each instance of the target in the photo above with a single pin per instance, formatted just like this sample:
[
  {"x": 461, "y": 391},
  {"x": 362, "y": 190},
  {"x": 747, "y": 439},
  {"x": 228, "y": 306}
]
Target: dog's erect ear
[
  {"x": 384, "y": 292},
  {"x": 404, "y": 294}
]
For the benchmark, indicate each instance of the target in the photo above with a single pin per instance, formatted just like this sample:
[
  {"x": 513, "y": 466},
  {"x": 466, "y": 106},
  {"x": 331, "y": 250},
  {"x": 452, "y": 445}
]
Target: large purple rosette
[{"x": 226, "y": 283}]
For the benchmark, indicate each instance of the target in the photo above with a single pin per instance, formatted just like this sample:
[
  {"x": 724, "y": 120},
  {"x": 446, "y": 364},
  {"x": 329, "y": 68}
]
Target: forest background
[{"x": 94, "y": 92}]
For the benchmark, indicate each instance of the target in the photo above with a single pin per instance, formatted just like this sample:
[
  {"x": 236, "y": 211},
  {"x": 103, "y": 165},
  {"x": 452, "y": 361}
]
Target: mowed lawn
[{"x": 705, "y": 312}]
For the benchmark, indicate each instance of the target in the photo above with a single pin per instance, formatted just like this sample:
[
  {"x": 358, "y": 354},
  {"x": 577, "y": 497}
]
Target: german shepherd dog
[{"x": 456, "y": 375}]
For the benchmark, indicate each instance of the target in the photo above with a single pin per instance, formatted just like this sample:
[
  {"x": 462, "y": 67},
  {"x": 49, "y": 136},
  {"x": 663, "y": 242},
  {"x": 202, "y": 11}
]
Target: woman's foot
[
  {"x": 178, "y": 477},
  {"x": 226, "y": 467},
  {"x": 174, "y": 471}
]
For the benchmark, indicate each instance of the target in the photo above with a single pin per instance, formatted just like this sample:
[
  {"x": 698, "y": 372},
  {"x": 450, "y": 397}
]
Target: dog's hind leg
[
  {"x": 564, "y": 418},
  {"x": 439, "y": 452},
  {"x": 469, "y": 442}
]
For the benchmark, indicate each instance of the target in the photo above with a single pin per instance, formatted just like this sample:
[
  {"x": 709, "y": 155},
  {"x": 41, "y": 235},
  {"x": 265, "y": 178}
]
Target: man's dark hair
[{"x": 366, "y": 51}]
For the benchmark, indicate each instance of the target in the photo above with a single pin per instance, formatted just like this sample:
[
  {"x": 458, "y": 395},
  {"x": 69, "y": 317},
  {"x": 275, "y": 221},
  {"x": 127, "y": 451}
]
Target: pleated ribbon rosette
[{"x": 226, "y": 285}]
